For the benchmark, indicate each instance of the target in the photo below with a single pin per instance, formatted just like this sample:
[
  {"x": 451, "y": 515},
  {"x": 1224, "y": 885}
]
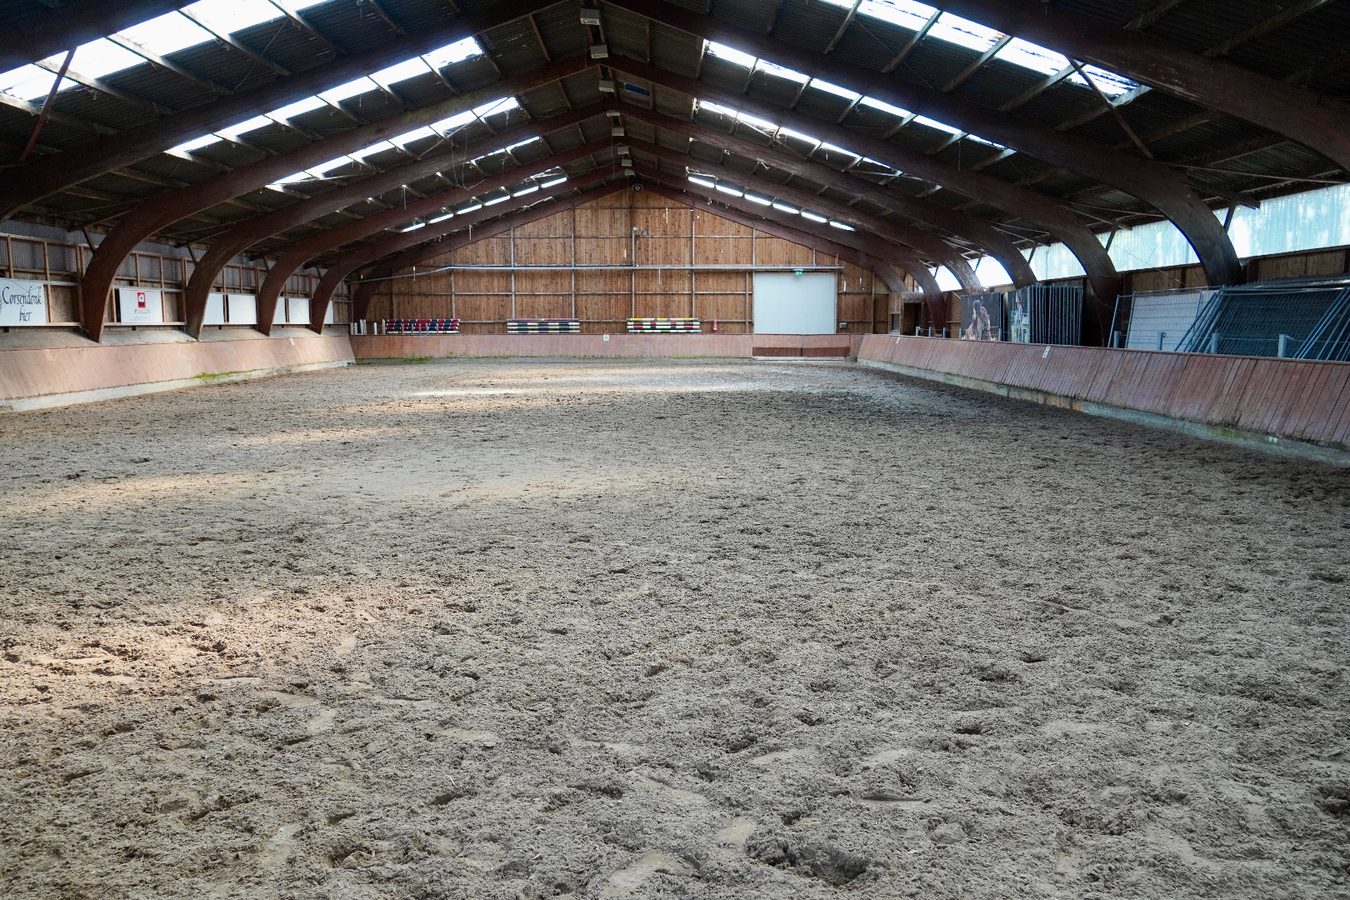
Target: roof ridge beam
[{"x": 53, "y": 173}]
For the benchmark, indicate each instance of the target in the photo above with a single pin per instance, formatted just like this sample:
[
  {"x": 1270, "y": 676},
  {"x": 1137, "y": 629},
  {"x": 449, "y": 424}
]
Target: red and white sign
[{"x": 137, "y": 306}]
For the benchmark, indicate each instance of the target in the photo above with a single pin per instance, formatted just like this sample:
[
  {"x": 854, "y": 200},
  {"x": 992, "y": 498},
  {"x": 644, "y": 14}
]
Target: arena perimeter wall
[
  {"x": 619, "y": 346},
  {"x": 1295, "y": 407},
  {"x": 43, "y": 368}
]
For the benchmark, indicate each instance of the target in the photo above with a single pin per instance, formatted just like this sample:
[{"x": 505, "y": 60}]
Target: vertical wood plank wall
[{"x": 601, "y": 233}]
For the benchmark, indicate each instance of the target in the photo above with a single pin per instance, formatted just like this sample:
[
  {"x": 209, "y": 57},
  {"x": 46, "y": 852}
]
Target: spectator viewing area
[{"x": 671, "y": 448}]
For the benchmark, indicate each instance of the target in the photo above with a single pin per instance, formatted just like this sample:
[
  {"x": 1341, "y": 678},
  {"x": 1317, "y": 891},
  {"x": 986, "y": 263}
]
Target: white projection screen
[{"x": 786, "y": 303}]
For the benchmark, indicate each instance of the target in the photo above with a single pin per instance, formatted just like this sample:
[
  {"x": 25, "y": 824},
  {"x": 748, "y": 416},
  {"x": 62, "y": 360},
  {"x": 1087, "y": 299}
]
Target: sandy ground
[{"x": 680, "y": 630}]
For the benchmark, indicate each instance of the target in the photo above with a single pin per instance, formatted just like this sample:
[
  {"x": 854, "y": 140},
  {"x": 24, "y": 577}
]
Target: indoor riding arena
[{"x": 638, "y": 449}]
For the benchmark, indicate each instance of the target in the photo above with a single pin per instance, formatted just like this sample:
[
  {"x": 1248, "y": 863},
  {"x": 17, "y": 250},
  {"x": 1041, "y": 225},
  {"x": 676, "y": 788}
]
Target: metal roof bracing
[{"x": 350, "y": 134}]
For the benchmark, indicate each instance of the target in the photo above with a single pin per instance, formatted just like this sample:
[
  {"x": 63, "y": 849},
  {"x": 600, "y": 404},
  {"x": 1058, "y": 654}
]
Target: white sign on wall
[
  {"x": 297, "y": 310},
  {"x": 22, "y": 302},
  {"x": 138, "y": 306},
  {"x": 243, "y": 309},
  {"x": 215, "y": 310},
  {"x": 279, "y": 314}
]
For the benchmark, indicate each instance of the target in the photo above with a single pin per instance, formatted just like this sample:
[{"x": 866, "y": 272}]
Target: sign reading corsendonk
[{"x": 22, "y": 302}]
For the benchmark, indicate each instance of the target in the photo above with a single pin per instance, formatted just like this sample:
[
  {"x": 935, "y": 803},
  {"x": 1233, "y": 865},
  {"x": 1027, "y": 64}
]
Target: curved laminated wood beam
[
  {"x": 978, "y": 231},
  {"x": 331, "y": 239},
  {"x": 1149, "y": 181},
  {"x": 367, "y": 253},
  {"x": 1041, "y": 211},
  {"x": 862, "y": 243},
  {"x": 938, "y": 251},
  {"x": 53, "y": 173},
  {"x": 223, "y": 248},
  {"x": 158, "y": 212},
  {"x": 1294, "y": 112},
  {"x": 74, "y": 24}
]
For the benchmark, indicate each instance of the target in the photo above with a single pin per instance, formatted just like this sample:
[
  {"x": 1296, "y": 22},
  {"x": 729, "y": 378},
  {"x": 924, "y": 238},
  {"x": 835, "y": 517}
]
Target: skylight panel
[
  {"x": 523, "y": 143},
  {"x": 102, "y": 57},
  {"x": 782, "y": 71},
  {"x": 827, "y": 87},
  {"x": 195, "y": 144},
  {"x": 788, "y": 132},
  {"x": 453, "y": 53},
  {"x": 905, "y": 13},
  {"x": 409, "y": 68},
  {"x": 885, "y": 107},
  {"x": 245, "y": 127},
  {"x": 229, "y": 16},
  {"x": 299, "y": 107},
  {"x": 1110, "y": 84},
  {"x": 731, "y": 55},
  {"x": 416, "y": 134},
  {"x": 1032, "y": 56},
  {"x": 350, "y": 89},
  {"x": 456, "y": 121},
  {"x": 831, "y": 148},
  {"x": 325, "y": 168},
  {"x": 506, "y": 104},
  {"x": 373, "y": 149},
  {"x": 27, "y": 82},
  {"x": 168, "y": 33},
  {"x": 964, "y": 32}
]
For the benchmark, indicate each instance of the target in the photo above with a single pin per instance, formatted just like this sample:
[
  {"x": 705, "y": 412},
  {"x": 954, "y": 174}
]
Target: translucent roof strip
[
  {"x": 177, "y": 31},
  {"x": 954, "y": 29},
  {"x": 712, "y": 181},
  {"x": 739, "y": 57}
]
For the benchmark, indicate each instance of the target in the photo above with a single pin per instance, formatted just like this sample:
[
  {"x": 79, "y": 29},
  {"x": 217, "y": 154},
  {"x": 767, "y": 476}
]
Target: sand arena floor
[{"x": 678, "y": 630}]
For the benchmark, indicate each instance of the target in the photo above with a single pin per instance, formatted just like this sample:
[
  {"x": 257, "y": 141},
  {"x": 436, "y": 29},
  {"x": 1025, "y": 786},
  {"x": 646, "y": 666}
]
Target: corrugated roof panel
[{"x": 560, "y": 26}]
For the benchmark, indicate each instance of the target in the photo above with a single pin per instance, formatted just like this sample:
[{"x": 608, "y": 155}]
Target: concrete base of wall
[
  {"x": 1249, "y": 440},
  {"x": 47, "y": 370},
  {"x": 598, "y": 346}
]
